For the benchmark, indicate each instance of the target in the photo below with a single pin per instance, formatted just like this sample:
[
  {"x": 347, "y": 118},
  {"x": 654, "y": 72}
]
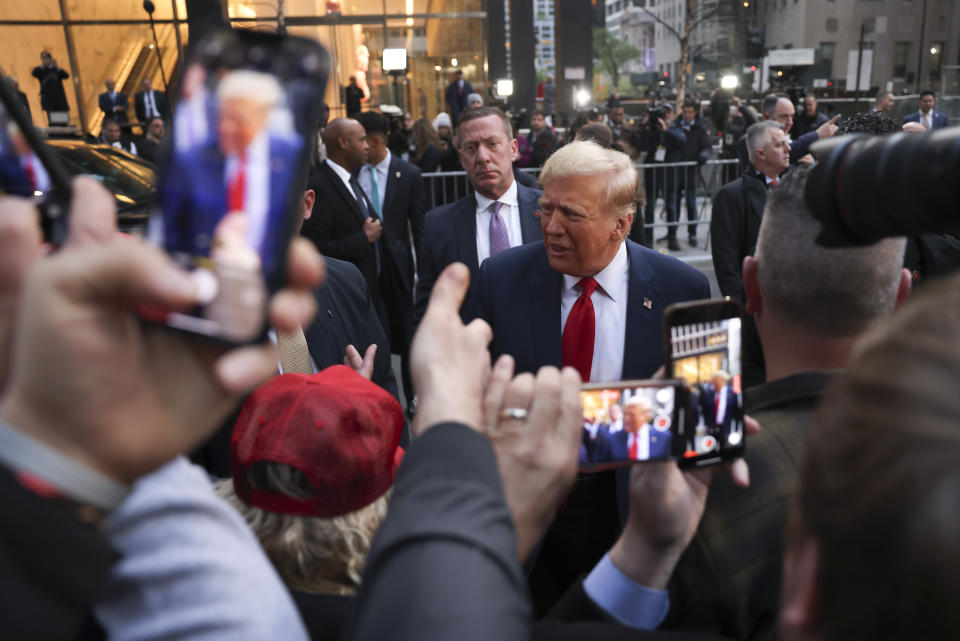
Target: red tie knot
[{"x": 587, "y": 286}]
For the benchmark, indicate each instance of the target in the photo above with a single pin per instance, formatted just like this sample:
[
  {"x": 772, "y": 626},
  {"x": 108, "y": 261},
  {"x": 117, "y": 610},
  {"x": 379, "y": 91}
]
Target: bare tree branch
[
  {"x": 662, "y": 22},
  {"x": 703, "y": 18}
]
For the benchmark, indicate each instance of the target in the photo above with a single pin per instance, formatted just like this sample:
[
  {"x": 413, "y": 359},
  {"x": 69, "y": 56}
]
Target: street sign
[{"x": 790, "y": 57}]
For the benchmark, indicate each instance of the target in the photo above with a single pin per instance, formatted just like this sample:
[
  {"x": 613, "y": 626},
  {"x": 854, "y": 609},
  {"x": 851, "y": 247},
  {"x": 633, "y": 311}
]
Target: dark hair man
[
  {"x": 696, "y": 148},
  {"x": 150, "y": 103},
  {"x": 778, "y": 108},
  {"x": 498, "y": 216},
  {"x": 809, "y": 119},
  {"x": 926, "y": 115},
  {"x": 52, "y": 96}
]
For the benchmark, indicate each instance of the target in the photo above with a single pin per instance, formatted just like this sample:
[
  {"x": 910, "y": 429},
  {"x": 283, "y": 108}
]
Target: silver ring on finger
[{"x": 515, "y": 413}]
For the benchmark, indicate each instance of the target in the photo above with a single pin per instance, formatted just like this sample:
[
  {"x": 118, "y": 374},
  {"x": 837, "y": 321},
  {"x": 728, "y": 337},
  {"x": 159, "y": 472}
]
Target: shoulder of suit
[
  {"x": 520, "y": 258},
  {"x": 528, "y": 191},
  {"x": 343, "y": 273},
  {"x": 659, "y": 261},
  {"x": 403, "y": 165},
  {"x": 468, "y": 201}
]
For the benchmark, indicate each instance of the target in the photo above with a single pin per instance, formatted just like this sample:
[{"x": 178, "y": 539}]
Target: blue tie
[{"x": 375, "y": 191}]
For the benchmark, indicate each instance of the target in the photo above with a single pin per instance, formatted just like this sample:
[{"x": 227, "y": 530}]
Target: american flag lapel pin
[
  {"x": 398, "y": 174},
  {"x": 647, "y": 303}
]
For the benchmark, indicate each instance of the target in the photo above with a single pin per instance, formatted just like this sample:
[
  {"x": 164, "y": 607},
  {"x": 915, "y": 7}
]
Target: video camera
[
  {"x": 864, "y": 188},
  {"x": 655, "y": 113}
]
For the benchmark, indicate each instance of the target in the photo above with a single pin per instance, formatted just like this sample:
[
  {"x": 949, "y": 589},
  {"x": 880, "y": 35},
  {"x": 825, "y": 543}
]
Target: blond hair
[{"x": 587, "y": 158}]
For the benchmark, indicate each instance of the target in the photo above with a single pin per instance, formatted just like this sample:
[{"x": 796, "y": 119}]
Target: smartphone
[
  {"x": 702, "y": 343},
  {"x": 233, "y": 173},
  {"x": 30, "y": 169},
  {"x": 626, "y": 422}
]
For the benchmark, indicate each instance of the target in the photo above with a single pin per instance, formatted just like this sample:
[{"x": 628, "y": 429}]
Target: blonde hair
[
  {"x": 310, "y": 554},
  {"x": 587, "y": 158},
  {"x": 262, "y": 88}
]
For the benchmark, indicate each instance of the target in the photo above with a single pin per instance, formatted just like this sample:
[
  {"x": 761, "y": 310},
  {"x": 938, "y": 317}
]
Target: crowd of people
[{"x": 166, "y": 488}]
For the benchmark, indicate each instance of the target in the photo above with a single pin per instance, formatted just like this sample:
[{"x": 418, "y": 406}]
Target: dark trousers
[
  {"x": 657, "y": 181},
  {"x": 688, "y": 185}
]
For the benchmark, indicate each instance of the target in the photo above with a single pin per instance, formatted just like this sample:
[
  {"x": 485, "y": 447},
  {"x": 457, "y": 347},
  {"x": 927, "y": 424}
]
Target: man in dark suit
[
  {"x": 718, "y": 403},
  {"x": 150, "y": 104},
  {"x": 112, "y": 103},
  {"x": 590, "y": 299},
  {"x": 456, "y": 96},
  {"x": 779, "y": 108},
  {"x": 345, "y": 224},
  {"x": 53, "y": 99},
  {"x": 395, "y": 190},
  {"x": 926, "y": 115},
  {"x": 255, "y": 169},
  {"x": 460, "y": 231},
  {"x": 639, "y": 440},
  {"x": 737, "y": 210},
  {"x": 811, "y": 304}
]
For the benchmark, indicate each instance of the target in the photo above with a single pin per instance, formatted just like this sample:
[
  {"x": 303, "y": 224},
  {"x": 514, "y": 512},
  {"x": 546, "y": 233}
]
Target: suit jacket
[
  {"x": 938, "y": 120},
  {"x": 728, "y": 580},
  {"x": 614, "y": 446},
  {"x": 336, "y": 228},
  {"x": 450, "y": 235},
  {"x": 159, "y": 98},
  {"x": 518, "y": 294},
  {"x": 737, "y": 211},
  {"x": 195, "y": 200},
  {"x": 457, "y": 98},
  {"x": 708, "y": 399},
  {"x": 54, "y": 565},
  {"x": 107, "y": 105}
]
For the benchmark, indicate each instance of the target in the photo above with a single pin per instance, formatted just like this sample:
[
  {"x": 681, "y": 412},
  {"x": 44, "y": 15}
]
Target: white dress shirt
[
  {"x": 343, "y": 174},
  {"x": 383, "y": 170},
  {"x": 926, "y": 119},
  {"x": 119, "y": 145},
  {"x": 150, "y": 105},
  {"x": 610, "y": 306},
  {"x": 509, "y": 211},
  {"x": 256, "y": 186}
]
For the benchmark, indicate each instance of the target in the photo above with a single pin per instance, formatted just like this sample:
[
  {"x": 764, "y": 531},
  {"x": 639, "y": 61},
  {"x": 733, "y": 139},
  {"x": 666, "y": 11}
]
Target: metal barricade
[{"x": 664, "y": 184}]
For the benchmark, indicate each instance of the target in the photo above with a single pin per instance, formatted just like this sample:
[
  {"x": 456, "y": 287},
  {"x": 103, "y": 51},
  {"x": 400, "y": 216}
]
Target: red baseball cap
[{"x": 341, "y": 431}]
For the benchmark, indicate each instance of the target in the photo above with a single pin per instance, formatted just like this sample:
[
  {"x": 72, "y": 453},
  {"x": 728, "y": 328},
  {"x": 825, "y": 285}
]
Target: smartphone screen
[
  {"x": 704, "y": 350},
  {"x": 231, "y": 186},
  {"x": 630, "y": 421}
]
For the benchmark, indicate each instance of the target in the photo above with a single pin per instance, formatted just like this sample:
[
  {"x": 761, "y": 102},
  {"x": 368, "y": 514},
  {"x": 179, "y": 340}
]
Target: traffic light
[{"x": 754, "y": 46}]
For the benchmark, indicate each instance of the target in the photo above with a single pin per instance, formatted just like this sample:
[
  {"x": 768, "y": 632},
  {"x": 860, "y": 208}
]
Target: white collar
[
  {"x": 258, "y": 149},
  {"x": 609, "y": 277},
  {"x": 382, "y": 166},
  {"x": 509, "y": 197},
  {"x": 339, "y": 170}
]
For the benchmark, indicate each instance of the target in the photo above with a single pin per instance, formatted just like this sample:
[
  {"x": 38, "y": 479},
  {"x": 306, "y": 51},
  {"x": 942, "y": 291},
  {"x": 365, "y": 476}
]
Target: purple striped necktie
[{"x": 499, "y": 239}]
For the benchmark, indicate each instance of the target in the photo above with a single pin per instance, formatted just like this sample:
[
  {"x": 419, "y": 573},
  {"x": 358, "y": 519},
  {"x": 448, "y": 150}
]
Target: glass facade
[{"x": 96, "y": 40}]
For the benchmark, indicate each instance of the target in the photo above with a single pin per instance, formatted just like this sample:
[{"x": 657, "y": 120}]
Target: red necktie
[
  {"x": 633, "y": 448},
  {"x": 576, "y": 347},
  {"x": 716, "y": 407},
  {"x": 237, "y": 187},
  {"x": 774, "y": 183},
  {"x": 31, "y": 174}
]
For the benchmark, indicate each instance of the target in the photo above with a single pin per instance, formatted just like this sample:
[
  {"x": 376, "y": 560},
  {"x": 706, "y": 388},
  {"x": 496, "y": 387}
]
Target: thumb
[
  {"x": 125, "y": 270},
  {"x": 449, "y": 290}
]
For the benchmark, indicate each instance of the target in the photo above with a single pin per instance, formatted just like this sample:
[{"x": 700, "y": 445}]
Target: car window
[{"x": 132, "y": 183}]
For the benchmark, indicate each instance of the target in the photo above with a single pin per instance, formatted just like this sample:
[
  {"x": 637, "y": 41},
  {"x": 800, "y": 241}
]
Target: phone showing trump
[
  {"x": 233, "y": 174},
  {"x": 631, "y": 421}
]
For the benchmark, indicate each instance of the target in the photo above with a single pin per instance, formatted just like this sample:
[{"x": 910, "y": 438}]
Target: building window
[
  {"x": 825, "y": 55},
  {"x": 832, "y": 25},
  {"x": 901, "y": 51}
]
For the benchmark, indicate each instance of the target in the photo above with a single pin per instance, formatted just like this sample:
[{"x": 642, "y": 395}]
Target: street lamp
[
  {"x": 729, "y": 82},
  {"x": 582, "y": 97},
  {"x": 150, "y": 8},
  {"x": 504, "y": 87}
]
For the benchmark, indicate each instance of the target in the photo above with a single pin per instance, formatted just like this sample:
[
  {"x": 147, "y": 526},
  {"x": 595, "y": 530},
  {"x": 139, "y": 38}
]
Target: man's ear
[
  {"x": 309, "y": 197},
  {"x": 905, "y": 286},
  {"x": 751, "y": 287},
  {"x": 799, "y": 595},
  {"x": 624, "y": 223}
]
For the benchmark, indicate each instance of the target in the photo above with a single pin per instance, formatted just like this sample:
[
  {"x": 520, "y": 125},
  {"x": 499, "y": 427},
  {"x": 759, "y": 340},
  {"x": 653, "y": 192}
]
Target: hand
[
  {"x": 828, "y": 128},
  {"x": 92, "y": 381},
  {"x": 914, "y": 127},
  {"x": 537, "y": 457},
  {"x": 734, "y": 101},
  {"x": 666, "y": 505},
  {"x": 661, "y": 124},
  {"x": 806, "y": 159},
  {"x": 361, "y": 365},
  {"x": 449, "y": 361},
  {"x": 20, "y": 245},
  {"x": 372, "y": 228}
]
